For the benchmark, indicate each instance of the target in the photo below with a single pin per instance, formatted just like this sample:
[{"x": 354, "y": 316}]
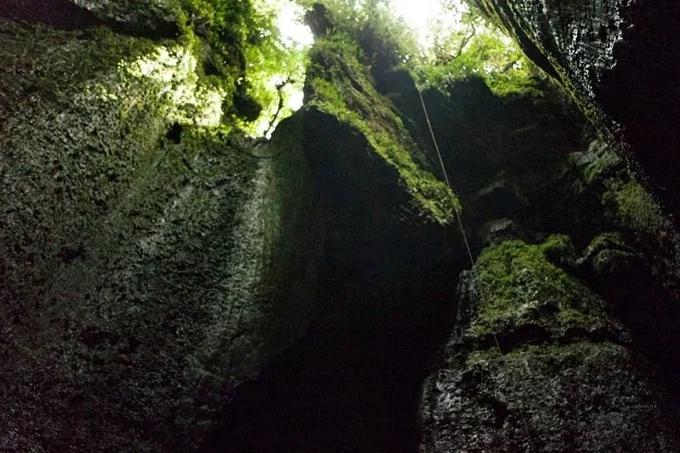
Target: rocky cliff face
[
  {"x": 518, "y": 373},
  {"x": 149, "y": 263},
  {"x": 351, "y": 382},
  {"x": 536, "y": 363},
  {"x": 616, "y": 59},
  {"x": 486, "y": 395},
  {"x": 167, "y": 284}
]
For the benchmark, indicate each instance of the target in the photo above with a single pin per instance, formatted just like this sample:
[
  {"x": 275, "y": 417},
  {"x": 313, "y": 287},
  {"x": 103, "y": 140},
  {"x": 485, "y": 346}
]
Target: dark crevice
[
  {"x": 647, "y": 72},
  {"x": 534, "y": 335},
  {"x": 351, "y": 384},
  {"x": 61, "y": 14},
  {"x": 66, "y": 15}
]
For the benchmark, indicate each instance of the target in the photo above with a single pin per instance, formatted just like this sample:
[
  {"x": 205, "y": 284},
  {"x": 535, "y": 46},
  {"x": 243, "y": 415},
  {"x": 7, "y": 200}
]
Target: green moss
[
  {"x": 609, "y": 240},
  {"x": 80, "y": 125},
  {"x": 341, "y": 86},
  {"x": 631, "y": 206},
  {"x": 509, "y": 16},
  {"x": 59, "y": 61},
  {"x": 545, "y": 357},
  {"x": 228, "y": 27},
  {"x": 559, "y": 250},
  {"x": 519, "y": 286}
]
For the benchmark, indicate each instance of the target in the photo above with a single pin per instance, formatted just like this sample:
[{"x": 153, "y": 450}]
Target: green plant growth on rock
[
  {"x": 243, "y": 55},
  {"x": 631, "y": 206},
  {"x": 106, "y": 100},
  {"x": 338, "y": 84},
  {"x": 237, "y": 44},
  {"x": 62, "y": 61},
  {"x": 114, "y": 182},
  {"x": 519, "y": 286},
  {"x": 474, "y": 47},
  {"x": 227, "y": 28}
]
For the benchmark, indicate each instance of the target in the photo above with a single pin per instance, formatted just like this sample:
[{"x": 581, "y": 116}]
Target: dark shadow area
[
  {"x": 647, "y": 304},
  {"x": 642, "y": 93},
  {"x": 386, "y": 301},
  {"x": 57, "y": 13},
  {"x": 66, "y": 15}
]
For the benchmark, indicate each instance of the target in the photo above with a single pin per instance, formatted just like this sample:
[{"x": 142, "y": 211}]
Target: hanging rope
[
  {"x": 446, "y": 178},
  {"x": 467, "y": 244}
]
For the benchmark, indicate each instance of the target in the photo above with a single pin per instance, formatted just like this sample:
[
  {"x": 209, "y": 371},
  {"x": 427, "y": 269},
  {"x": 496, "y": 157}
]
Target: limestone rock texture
[
  {"x": 149, "y": 264},
  {"x": 169, "y": 284},
  {"x": 351, "y": 382},
  {"x": 540, "y": 313}
]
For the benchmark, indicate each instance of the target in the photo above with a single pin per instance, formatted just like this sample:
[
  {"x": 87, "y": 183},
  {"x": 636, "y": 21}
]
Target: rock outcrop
[
  {"x": 351, "y": 382},
  {"x": 149, "y": 263},
  {"x": 615, "y": 57},
  {"x": 536, "y": 363}
]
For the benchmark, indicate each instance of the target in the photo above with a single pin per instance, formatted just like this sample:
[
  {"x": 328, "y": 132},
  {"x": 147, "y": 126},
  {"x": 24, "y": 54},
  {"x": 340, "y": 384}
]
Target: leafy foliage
[
  {"x": 243, "y": 55},
  {"x": 373, "y": 24},
  {"x": 228, "y": 29},
  {"x": 501, "y": 64},
  {"x": 475, "y": 48},
  {"x": 275, "y": 72},
  {"x": 463, "y": 44}
]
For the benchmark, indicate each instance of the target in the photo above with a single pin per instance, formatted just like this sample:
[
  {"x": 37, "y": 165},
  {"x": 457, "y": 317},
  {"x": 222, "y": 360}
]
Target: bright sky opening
[
  {"x": 294, "y": 33},
  {"x": 420, "y": 15}
]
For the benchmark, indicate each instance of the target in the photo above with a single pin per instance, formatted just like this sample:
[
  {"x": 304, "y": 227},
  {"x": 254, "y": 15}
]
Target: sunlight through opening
[{"x": 425, "y": 16}]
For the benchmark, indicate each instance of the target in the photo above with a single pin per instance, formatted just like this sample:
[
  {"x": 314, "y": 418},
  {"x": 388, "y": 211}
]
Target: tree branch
[{"x": 279, "y": 88}]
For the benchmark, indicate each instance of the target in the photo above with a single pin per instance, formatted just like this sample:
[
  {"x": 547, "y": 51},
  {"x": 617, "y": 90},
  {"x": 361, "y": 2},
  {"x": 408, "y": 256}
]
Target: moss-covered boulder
[
  {"x": 518, "y": 289},
  {"x": 537, "y": 363}
]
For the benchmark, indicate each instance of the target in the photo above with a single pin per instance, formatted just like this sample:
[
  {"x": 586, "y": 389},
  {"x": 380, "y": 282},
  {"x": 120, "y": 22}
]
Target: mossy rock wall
[
  {"x": 340, "y": 85},
  {"x": 144, "y": 257},
  {"x": 537, "y": 363},
  {"x": 150, "y": 15},
  {"x": 614, "y": 58}
]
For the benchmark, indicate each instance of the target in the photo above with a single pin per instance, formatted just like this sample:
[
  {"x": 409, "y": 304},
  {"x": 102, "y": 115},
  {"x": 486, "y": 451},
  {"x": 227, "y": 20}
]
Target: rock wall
[
  {"x": 536, "y": 363},
  {"x": 170, "y": 285},
  {"x": 150, "y": 262},
  {"x": 351, "y": 382},
  {"x": 615, "y": 58},
  {"x": 539, "y": 315}
]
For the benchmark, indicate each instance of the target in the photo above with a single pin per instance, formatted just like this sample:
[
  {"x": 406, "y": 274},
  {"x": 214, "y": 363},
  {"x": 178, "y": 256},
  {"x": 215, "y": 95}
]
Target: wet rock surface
[
  {"x": 167, "y": 289},
  {"x": 601, "y": 49},
  {"x": 351, "y": 382},
  {"x": 602, "y": 401},
  {"x": 560, "y": 376}
]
